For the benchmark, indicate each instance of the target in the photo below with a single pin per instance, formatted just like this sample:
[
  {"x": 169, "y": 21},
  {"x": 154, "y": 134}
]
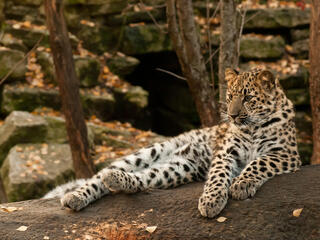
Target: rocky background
[{"x": 118, "y": 47}]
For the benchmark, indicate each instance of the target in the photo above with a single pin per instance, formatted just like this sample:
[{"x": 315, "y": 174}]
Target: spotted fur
[{"x": 257, "y": 142}]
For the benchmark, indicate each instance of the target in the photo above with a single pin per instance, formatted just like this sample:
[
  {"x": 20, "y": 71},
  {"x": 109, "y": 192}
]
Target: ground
[{"x": 269, "y": 215}]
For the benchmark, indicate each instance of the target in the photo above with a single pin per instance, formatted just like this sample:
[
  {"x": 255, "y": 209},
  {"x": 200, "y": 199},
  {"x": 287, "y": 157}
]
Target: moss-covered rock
[
  {"x": 45, "y": 60},
  {"x": 131, "y": 103},
  {"x": 23, "y": 12},
  {"x": 21, "y": 127},
  {"x": 8, "y": 60},
  {"x": 25, "y": 98},
  {"x": 145, "y": 39},
  {"x": 87, "y": 70},
  {"x": 2, "y": 4},
  {"x": 101, "y": 105},
  {"x": 158, "y": 14},
  {"x": 299, "y": 79},
  {"x": 121, "y": 64},
  {"x": 56, "y": 132},
  {"x": 31, "y": 170},
  {"x": 256, "y": 47},
  {"x": 299, "y": 34},
  {"x": 273, "y": 18},
  {"x": 300, "y": 49},
  {"x": 11, "y": 42},
  {"x": 299, "y": 97}
]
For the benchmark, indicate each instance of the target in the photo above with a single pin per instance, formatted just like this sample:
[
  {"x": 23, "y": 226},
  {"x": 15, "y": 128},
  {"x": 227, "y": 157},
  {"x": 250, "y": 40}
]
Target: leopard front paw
[
  {"x": 243, "y": 188},
  {"x": 211, "y": 206},
  {"x": 115, "y": 180},
  {"x": 74, "y": 201}
]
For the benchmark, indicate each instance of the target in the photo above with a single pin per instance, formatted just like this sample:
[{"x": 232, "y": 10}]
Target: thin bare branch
[
  {"x": 209, "y": 41},
  {"x": 18, "y": 63},
  {"x": 143, "y": 6},
  {"x": 212, "y": 55},
  {"x": 171, "y": 73},
  {"x": 243, "y": 13}
]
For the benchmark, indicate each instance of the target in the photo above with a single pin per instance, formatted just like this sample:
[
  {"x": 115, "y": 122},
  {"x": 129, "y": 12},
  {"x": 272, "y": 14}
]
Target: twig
[
  {"x": 18, "y": 63},
  {"x": 243, "y": 16},
  {"x": 171, "y": 73},
  {"x": 212, "y": 55},
  {"x": 152, "y": 17}
]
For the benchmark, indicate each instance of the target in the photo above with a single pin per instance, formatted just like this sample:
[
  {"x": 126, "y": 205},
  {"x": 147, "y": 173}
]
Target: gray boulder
[
  {"x": 31, "y": 170},
  {"x": 256, "y": 47},
  {"x": 300, "y": 49},
  {"x": 21, "y": 127},
  {"x": 121, "y": 64},
  {"x": 270, "y": 18},
  {"x": 8, "y": 59},
  {"x": 299, "y": 34}
]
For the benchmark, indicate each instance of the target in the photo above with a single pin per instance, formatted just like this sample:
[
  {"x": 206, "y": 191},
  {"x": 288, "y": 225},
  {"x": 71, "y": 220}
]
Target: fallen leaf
[
  {"x": 9, "y": 209},
  {"x": 151, "y": 229},
  {"x": 22, "y": 228},
  {"x": 297, "y": 212},
  {"x": 221, "y": 219},
  {"x": 46, "y": 238}
]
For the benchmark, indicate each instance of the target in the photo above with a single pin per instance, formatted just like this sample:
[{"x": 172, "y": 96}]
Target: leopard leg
[
  {"x": 215, "y": 194},
  {"x": 257, "y": 172}
]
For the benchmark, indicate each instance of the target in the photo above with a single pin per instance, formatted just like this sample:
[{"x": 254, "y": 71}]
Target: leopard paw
[
  {"x": 115, "y": 180},
  {"x": 243, "y": 188},
  {"x": 211, "y": 206},
  {"x": 74, "y": 201}
]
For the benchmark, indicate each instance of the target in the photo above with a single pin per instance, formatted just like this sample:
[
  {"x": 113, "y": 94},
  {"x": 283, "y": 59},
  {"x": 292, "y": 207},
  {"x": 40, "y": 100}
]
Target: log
[{"x": 269, "y": 215}]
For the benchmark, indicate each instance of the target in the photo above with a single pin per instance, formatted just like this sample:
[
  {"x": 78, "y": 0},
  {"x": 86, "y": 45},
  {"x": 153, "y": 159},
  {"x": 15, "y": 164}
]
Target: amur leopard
[{"x": 256, "y": 142}]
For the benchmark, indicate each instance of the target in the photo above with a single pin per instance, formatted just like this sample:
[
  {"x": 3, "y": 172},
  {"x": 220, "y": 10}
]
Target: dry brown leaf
[{"x": 297, "y": 212}]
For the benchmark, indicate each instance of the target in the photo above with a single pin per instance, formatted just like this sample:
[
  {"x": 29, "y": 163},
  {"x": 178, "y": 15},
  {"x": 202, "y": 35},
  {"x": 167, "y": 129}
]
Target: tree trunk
[
  {"x": 266, "y": 216},
  {"x": 187, "y": 47},
  {"x": 315, "y": 79},
  {"x": 69, "y": 89},
  {"x": 228, "y": 54}
]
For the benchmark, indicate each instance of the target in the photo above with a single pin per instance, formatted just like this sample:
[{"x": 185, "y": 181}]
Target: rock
[
  {"x": 11, "y": 42},
  {"x": 273, "y": 18},
  {"x": 300, "y": 49},
  {"x": 299, "y": 97},
  {"x": 27, "y": 99},
  {"x": 24, "y": 12},
  {"x": 175, "y": 213},
  {"x": 35, "y": 3},
  {"x": 131, "y": 103},
  {"x": 45, "y": 60},
  {"x": 30, "y": 36},
  {"x": 299, "y": 79},
  {"x": 2, "y": 4},
  {"x": 256, "y": 47},
  {"x": 56, "y": 132},
  {"x": 299, "y": 34},
  {"x": 8, "y": 59},
  {"x": 143, "y": 39},
  {"x": 125, "y": 18},
  {"x": 121, "y": 64},
  {"x": 101, "y": 105},
  {"x": 21, "y": 127},
  {"x": 87, "y": 70},
  {"x": 30, "y": 170}
]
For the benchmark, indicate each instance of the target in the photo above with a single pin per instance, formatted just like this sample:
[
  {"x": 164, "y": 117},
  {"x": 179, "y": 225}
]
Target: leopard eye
[
  {"x": 230, "y": 96},
  {"x": 247, "y": 98}
]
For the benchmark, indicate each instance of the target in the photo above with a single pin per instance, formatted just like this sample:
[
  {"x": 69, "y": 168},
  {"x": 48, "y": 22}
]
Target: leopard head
[{"x": 251, "y": 96}]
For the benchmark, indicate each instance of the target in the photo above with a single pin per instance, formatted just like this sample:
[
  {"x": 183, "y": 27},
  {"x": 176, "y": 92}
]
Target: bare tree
[
  {"x": 69, "y": 88},
  {"x": 229, "y": 43},
  {"x": 186, "y": 44},
  {"x": 314, "y": 80}
]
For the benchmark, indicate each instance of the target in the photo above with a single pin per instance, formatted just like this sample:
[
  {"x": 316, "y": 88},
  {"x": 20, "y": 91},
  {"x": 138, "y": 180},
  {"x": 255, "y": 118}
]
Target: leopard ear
[
  {"x": 230, "y": 75},
  {"x": 266, "y": 80}
]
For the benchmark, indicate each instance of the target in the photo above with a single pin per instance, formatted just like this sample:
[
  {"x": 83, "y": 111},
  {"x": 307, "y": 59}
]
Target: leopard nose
[{"x": 234, "y": 116}]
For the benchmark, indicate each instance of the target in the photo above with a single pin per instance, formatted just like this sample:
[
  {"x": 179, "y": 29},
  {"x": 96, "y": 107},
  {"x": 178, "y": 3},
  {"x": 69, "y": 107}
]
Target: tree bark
[
  {"x": 268, "y": 215},
  {"x": 314, "y": 81},
  {"x": 187, "y": 47},
  {"x": 69, "y": 89},
  {"x": 228, "y": 54}
]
